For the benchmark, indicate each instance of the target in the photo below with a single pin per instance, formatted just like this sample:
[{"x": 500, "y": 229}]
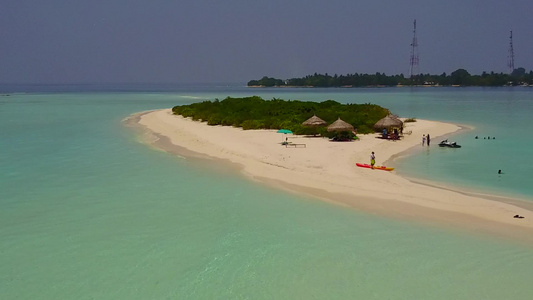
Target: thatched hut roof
[
  {"x": 314, "y": 121},
  {"x": 340, "y": 125},
  {"x": 387, "y": 122}
]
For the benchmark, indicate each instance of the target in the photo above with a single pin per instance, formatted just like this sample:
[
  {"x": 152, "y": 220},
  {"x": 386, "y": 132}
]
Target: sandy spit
[{"x": 327, "y": 170}]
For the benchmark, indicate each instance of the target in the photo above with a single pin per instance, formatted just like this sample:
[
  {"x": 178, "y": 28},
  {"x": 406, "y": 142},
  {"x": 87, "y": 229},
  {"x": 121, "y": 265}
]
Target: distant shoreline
[
  {"x": 381, "y": 86},
  {"x": 459, "y": 77}
]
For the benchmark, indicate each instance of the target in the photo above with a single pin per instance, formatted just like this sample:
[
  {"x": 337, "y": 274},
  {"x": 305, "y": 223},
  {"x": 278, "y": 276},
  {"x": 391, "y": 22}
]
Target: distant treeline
[
  {"x": 256, "y": 113},
  {"x": 460, "y": 77}
]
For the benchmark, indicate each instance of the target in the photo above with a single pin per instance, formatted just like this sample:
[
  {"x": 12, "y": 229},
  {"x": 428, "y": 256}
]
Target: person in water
[
  {"x": 427, "y": 137},
  {"x": 372, "y": 159}
]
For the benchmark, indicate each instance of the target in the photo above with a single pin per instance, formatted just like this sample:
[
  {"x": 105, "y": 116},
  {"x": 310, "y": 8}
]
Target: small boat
[
  {"x": 445, "y": 143},
  {"x": 375, "y": 167}
]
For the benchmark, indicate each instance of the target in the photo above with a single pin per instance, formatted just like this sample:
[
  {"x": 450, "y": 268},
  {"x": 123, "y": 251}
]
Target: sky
[{"x": 234, "y": 41}]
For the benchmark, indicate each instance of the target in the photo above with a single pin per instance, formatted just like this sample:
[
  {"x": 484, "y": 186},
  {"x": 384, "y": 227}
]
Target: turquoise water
[
  {"x": 88, "y": 212},
  {"x": 503, "y": 113}
]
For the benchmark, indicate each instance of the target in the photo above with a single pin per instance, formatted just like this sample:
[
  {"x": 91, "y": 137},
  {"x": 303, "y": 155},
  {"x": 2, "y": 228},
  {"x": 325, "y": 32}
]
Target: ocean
[{"x": 87, "y": 211}]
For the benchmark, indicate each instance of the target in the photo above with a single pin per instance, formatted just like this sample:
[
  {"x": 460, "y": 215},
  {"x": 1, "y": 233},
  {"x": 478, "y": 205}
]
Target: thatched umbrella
[
  {"x": 314, "y": 121},
  {"x": 340, "y": 125},
  {"x": 388, "y": 122}
]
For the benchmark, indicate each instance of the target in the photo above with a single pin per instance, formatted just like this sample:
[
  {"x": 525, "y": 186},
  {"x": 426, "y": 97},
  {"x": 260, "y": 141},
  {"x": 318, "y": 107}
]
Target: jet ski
[{"x": 445, "y": 143}]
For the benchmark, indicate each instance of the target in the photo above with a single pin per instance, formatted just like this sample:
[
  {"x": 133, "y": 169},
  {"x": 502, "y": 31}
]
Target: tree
[
  {"x": 517, "y": 73},
  {"x": 460, "y": 77}
]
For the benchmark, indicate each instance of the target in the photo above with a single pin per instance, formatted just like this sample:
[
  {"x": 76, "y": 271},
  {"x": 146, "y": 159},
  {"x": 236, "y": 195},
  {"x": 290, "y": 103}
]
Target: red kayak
[{"x": 375, "y": 167}]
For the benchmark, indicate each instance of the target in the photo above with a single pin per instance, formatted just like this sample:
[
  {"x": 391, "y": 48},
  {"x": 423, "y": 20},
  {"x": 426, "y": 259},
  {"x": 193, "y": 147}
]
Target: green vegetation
[
  {"x": 459, "y": 77},
  {"x": 256, "y": 113},
  {"x": 409, "y": 120}
]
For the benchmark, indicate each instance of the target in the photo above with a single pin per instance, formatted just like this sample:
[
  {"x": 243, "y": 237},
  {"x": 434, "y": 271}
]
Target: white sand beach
[{"x": 327, "y": 170}]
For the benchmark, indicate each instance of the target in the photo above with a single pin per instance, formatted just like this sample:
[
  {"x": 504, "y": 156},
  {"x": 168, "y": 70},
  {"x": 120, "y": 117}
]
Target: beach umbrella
[
  {"x": 340, "y": 125},
  {"x": 284, "y": 131},
  {"x": 387, "y": 122},
  {"x": 314, "y": 121}
]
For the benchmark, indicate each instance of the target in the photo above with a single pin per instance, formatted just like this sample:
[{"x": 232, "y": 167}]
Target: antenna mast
[
  {"x": 414, "y": 53},
  {"x": 510, "y": 59}
]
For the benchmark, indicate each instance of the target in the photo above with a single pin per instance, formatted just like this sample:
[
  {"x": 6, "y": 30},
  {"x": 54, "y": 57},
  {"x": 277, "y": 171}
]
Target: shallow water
[
  {"x": 88, "y": 212},
  {"x": 501, "y": 113}
]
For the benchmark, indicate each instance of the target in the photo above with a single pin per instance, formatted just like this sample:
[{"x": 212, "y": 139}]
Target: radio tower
[
  {"x": 510, "y": 59},
  {"x": 414, "y": 53}
]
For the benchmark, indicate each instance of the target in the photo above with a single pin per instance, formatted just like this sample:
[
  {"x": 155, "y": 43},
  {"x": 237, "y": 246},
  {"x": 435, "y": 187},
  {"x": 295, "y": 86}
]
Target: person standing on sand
[
  {"x": 428, "y": 139},
  {"x": 423, "y": 140},
  {"x": 372, "y": 159}
]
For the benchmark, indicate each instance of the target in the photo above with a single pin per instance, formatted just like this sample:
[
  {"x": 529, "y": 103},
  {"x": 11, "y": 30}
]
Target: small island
[
  {"x": 325, "y": 169},
  {"x": 460, "y": 77}
]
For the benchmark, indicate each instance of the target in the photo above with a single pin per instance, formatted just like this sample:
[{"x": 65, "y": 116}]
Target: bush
[
  {"x": 214, "y": 120},
  {"x": 256, "y": 113},
  {"x": 251, "y": 124}
]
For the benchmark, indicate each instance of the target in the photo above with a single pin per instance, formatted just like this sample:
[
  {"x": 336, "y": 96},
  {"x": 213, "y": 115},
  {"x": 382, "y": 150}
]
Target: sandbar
[{"x": 327, "y": 170}]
